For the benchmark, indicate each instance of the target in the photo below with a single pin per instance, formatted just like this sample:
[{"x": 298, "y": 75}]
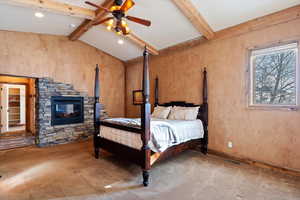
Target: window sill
[{"x": 273, "y": 108}]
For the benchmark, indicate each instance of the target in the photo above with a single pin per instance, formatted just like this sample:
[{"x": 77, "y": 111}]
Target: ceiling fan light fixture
[
  {"x": 109, "y": 28},
  {"x": 117, "y": 22},
  {"x": 113, "y": 8},
  {"x": 110, "y": 22},
  {"x": 123, "y": 22},
  {"x": 127, "y": 29},
  {"x": 118, "y": 32}
]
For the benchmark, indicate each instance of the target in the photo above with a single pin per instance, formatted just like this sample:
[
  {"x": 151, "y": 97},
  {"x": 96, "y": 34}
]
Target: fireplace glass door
[{"x": 67, "y": 110}]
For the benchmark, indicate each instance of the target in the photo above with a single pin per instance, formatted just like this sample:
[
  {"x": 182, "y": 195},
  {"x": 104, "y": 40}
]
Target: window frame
[{"x": 251, "y": 78}]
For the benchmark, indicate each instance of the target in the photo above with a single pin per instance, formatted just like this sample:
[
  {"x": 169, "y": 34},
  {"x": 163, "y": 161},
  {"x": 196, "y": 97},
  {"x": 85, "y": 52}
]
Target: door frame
[
  {"x": 28, "y": 96},
  {"x": 8, "y": 86}
]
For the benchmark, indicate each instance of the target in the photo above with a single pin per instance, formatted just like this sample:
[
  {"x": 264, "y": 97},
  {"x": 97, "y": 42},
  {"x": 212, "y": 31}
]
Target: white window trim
[{"x": 261, "y": 51}]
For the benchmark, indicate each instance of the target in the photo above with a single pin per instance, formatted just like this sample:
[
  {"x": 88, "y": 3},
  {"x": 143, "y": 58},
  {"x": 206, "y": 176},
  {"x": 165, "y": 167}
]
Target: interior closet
[{"x": 17, "y": 111}]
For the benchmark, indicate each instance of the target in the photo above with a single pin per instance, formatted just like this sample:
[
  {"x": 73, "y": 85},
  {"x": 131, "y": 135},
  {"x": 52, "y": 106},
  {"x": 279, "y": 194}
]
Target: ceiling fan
[{"x": 117, "y": 20}]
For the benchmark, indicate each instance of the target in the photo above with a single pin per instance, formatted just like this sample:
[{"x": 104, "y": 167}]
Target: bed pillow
[
  {"x": 184, "y": 113},
  {"x": 161, "y": 112}
]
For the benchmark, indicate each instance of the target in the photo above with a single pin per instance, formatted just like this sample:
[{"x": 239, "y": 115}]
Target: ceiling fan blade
[
  {"x": 139, "y": 20},
  {"x": 127, "y": 5},
  {"x": 97, "y": 6},
  {"x": 102, "y": 21}
]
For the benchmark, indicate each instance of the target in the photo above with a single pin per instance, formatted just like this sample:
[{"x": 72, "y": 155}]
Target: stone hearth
[{"x": 51, "y": 135}]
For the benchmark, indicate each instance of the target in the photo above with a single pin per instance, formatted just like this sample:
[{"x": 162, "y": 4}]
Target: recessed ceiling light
[
  {"x": 72, "y": 25},
  {"x": 39, "y": 15},
  {"x": 120, "y": 41}
]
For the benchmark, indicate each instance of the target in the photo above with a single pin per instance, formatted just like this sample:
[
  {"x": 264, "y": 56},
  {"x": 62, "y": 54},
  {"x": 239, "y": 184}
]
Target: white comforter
[{"x": 164, "y": 133}]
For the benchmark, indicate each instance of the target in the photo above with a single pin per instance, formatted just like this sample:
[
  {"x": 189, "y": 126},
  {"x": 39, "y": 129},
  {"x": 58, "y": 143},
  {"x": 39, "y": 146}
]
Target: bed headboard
[
  {"x": 203, "y": 110},
  {"x": 201, "y": 114}
]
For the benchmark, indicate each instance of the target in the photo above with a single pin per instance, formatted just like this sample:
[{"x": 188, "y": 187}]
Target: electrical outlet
[{"x": 230, "y": 144}]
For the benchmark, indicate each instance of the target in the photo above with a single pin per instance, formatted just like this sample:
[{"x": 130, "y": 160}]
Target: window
[{"x": 274, "y": 76}]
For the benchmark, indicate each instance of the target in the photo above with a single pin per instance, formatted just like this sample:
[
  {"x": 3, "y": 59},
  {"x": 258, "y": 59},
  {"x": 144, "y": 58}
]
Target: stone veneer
[{"x": 50, "y": 135}]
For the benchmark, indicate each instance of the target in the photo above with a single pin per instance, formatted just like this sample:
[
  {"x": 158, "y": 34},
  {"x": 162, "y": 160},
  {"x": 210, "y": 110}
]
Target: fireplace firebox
[{"x": 66, "y": 110}]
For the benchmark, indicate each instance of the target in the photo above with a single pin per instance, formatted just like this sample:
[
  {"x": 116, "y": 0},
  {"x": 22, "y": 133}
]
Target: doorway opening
[{"x": 17, "y": 111}]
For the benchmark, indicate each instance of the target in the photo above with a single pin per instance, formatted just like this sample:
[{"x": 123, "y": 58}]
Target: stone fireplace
[{"x": 63, "y": 114}]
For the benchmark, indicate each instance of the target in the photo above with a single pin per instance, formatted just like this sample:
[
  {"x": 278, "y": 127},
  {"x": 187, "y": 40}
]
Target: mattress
[{"x": 164, "y": 133}]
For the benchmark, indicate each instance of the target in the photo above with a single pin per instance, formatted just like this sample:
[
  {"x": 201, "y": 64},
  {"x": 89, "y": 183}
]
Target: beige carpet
[{"x": 70, "y": 172}]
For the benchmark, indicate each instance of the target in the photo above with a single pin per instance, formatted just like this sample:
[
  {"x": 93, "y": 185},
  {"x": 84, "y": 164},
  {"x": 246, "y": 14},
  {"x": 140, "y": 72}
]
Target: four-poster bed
[{"x": 144, "y": 155}]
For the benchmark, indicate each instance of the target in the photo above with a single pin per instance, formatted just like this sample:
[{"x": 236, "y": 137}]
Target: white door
[
  {"x": 16, "y": 115},
  {"x": 13, "y": 117}
]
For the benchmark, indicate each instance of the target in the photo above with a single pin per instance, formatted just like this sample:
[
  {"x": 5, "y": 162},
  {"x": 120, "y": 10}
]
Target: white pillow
[
  {"x": 161, "y": 112},
  {"x": 184, "y": 113}
]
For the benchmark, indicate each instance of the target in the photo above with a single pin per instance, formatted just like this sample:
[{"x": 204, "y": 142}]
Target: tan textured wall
[
  {"x": 36, "y": 55},
  {"x": 268, "y": 136}
]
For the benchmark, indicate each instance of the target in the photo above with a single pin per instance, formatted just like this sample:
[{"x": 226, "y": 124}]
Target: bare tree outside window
[{"x": 274, "y": 75}]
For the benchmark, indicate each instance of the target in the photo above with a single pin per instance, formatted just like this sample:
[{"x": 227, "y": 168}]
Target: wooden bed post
[
  {"x": 156, "y": 102},
  {"x": 145, "y": 119},
  {"x": 205, "y": 116},
  {"x": 97, "y": 114}
]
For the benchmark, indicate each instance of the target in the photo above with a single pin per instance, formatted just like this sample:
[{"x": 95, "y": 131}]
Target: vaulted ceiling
[{"x": 170, "y": 26}]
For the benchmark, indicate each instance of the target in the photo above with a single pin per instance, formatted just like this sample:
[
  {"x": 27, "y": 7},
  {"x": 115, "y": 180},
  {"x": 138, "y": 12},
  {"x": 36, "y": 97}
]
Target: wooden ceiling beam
[
  {"x": 88, "y": 23},
  {"x": 191, "y": 12},
  {"x": 139, "y": 42},
  {"x": 54, "y": 6}
]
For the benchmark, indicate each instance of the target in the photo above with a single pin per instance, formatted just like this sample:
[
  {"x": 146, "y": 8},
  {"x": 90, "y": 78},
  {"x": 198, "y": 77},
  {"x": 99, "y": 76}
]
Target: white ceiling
[
  {"x": 81, "y": 3},
  {"x": 227, "y": 13},
  {"x": 169, "y": 27},
  {"x": 22, "y": 19},
  {"x": 107, "y": 41}
]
